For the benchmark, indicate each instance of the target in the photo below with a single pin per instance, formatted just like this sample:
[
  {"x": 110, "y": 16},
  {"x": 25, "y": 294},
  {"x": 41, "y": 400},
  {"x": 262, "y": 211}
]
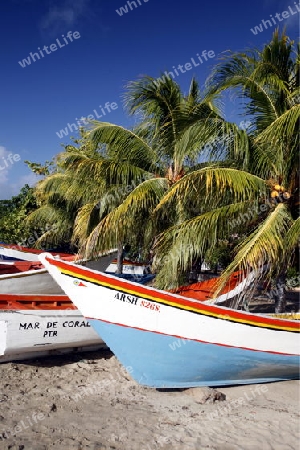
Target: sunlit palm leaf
[
  {"x": 55, "y": 221},
  {"x": 180, "y": 245},
  {"x": 211, "y": 186},
  {"x": 282, "y": 129},
  {"x": 119, "y": 224},
  {"x": 123, "y": 143},
  {"x": 82, "y": 224},
  {"x": 292, "y": 237},
  {"x": 266, "y": 245}
]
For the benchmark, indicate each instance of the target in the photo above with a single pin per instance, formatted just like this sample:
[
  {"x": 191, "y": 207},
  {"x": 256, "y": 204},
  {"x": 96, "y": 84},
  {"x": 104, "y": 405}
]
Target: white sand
[{"x": 87, "y": 401}]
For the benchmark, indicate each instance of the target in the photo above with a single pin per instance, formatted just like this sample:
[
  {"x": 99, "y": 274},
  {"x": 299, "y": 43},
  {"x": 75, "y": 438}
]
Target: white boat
[
  {"x": 171, "y": 341},
  {"x": 35, "y": 325},
  {"x": 10, "y": 252},
  {"x": 30, "y": 277},
  {"x": 27, "y": 278}
]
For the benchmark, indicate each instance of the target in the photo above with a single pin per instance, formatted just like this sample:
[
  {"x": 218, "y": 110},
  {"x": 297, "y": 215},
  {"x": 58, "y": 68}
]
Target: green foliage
[
  {"x": 222, "y": 198},
  {"x": 111, "y": 180},
  {"x": 293, "y": 277},
  {"x": 147, "y": 185},
  {"x": 13, "y": 214},
  {"x": 40, "y": 169},
  {"x": 221, "y": 255}
]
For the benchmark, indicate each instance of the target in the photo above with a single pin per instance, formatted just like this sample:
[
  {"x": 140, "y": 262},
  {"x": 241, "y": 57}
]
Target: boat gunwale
[
  {"x": 26, "y": 273},
  {"x": 34, "y": 302},
  {"x": 172, "y": 299}
]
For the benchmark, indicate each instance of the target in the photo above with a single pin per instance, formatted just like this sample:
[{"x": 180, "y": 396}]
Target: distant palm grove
[{"x": 184, "y": 185}]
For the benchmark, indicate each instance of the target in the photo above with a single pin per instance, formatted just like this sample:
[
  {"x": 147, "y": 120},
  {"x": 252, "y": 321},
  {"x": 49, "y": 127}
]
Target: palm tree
[
  {"x": 148, "y": 160},
  {"x": 108, "y": 186},
  {"x": 60, "y": 195},
  {"x": 262, "y": 200}
]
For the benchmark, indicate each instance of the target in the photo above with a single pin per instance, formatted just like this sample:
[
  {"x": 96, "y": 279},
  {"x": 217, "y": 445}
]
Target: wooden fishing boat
[
  {"x": 26, "y": 277},
  {"x": 166, "y": 340},
  {"x": 12, "y": 267},
  {"x": 37, "y": 325},
  {"x": 30, "y": 277},
  {"x": 10, "y": 252},
  {"x": 203, "y": 290}
]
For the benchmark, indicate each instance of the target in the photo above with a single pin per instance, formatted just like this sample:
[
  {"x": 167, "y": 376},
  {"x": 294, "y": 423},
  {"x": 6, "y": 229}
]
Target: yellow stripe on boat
[
  {"x": 175, "y": 304},
  {"x": 288, "y": 316}
]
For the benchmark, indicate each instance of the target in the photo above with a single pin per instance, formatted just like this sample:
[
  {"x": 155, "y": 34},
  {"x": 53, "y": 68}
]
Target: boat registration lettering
[
  {"x": 29, "y": 326},
  {"x": 126, "y": 298},
  {"x": 150, "y": 305},
  {"x": 50, "y": 329},
  {"x": 76, "y": 323},
  {"x": 36, "y": 326}
]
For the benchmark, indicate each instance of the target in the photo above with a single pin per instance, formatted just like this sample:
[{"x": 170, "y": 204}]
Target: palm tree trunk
[
  {"x": 120, "y": 258},
  {"x": 279, "y": 295}
]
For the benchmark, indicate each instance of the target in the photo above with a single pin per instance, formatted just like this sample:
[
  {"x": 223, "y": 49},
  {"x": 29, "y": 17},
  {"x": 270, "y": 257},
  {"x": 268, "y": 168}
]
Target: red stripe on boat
[{"x": 118, "y": 283}]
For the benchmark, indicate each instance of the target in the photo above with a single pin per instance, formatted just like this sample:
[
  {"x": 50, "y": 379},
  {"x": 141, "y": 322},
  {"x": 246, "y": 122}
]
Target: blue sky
[{"x": 41, "y": 98}]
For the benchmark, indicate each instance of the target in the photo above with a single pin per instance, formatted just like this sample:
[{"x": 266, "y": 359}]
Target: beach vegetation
[{"x": 268, "y": 82}]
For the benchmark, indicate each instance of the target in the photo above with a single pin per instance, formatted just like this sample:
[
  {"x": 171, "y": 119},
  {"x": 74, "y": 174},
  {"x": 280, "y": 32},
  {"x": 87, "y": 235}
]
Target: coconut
[{"x": 274, "y": 194}]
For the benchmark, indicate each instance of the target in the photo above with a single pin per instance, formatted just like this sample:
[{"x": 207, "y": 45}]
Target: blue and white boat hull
[{"x": 166, "y": 340}]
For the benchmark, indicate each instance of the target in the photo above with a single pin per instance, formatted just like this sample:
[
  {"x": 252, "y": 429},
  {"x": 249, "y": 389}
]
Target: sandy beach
[
  {"x": 149, "y": 208},
  {"x": 88, "y": 401}
]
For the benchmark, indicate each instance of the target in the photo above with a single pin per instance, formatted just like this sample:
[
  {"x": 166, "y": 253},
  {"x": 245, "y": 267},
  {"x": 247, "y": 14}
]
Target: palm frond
[
  {"x": 57, "y": 223},
  {"x": 292, "y": 237},
  {"x": 277, "y": 147},
  {"x": 266, "y": 245},
  {"x": 179, "y": 246},
  {"x": 82, "y": 224},
  {"x": 123, "y": 144},
  {"x": 157, "y": 100},
  {"x": 104, "y": 172},
  {"x": 117, "y": 226},
  {"x": 212, "y": 186},
  {"x": 282, "y": 129},
  {"x": 263, "y": 78}
]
